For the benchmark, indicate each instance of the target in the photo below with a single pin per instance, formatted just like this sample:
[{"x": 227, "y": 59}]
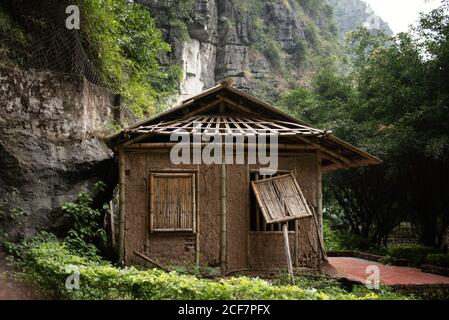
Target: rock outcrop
[
  {"x": 262, "y": 45},
  {"x": 351, "y": 14},
  {"x": 266, "y": 47},
  {"x": 49, "y": 145}
]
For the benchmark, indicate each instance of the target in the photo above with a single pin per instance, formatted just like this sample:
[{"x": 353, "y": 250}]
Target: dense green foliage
[
  {"x": 86, "y": 233},
  {"x": 340, "y": 239},
  {"x": 126, "y": 43},
  {"x": 13, "y": 39},
  {"x": 438, "y": 259},
  {"x": 119, "y": 46},
  {"x": 415, "y": 255},
  {"x": 394, "y": 104},
  {"x": 47, "y": 263}
]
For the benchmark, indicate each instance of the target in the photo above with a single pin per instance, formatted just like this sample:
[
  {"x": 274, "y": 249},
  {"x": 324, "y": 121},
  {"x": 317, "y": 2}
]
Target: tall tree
[{"x": 394, "y": 104}]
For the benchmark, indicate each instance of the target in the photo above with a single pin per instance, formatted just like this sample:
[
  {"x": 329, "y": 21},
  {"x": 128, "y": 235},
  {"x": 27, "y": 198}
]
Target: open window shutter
[
  {"x": 172, "y": 202},
  {"x": 280, "y": 199}
]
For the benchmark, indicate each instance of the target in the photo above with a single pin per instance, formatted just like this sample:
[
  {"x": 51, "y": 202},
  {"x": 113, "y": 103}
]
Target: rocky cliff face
[
  {"x": 351, "y": 14},
  {"x": 49, "y": 150},
  {"x": 264, "y": 46}
]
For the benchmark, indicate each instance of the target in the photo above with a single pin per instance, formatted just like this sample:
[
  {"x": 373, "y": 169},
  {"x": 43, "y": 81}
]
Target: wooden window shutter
[
  {"x": 172, "y": 202},
  {"x": 280, "y": 199}
]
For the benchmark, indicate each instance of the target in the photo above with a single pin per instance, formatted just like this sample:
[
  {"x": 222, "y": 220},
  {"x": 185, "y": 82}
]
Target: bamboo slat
[{"x": 240, "y": 125}]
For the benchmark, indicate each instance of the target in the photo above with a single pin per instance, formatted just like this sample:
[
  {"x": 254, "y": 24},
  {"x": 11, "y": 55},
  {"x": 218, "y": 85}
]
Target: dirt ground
[{"x": 12, "y": 290}]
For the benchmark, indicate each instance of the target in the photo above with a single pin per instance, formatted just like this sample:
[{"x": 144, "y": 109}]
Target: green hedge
[
  {"x": 415, "y": 254},
  {"x": 438, "y": 259},
  {"x": 45, "y": 263}
]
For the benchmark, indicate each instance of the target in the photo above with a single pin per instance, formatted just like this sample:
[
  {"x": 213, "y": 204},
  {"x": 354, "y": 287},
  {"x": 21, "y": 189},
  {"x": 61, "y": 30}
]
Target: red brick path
[{"x": 354, "y": 269}]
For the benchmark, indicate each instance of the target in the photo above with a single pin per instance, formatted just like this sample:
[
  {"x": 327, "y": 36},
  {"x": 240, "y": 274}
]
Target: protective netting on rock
[{"x": 49, "y": 44}]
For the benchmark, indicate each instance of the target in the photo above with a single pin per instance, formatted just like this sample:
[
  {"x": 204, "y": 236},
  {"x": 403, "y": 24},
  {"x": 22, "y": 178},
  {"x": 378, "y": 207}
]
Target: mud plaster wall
[
  {"x": 172, "y": 248},
  {"x": 266, "y": 250}
]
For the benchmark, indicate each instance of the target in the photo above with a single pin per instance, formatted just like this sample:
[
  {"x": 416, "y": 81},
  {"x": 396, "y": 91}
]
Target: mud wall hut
[{"x": 206, "y": 213}]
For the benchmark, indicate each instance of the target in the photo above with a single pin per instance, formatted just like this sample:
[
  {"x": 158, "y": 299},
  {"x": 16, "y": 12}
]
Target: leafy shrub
[
  {"x": 87, "y": 233},
  {"x": 126, "y": 43},
  {"x": 119, "y": 37},
  {"x": 44, "y": 262},
  {"x": 339, "y": 240},
  {"x": 415, "y": 254},
  {"x": 331, "y": 238},
  {"x": 438, "y": 259}
]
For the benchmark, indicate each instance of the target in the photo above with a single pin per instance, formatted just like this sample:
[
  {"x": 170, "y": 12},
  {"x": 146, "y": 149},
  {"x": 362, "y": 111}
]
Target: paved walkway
[{"x": 355, "y": 269}]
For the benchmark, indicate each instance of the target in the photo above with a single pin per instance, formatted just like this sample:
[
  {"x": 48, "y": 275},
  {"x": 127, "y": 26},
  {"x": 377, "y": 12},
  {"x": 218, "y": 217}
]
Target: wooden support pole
[
  {"x": 122, "y": 179},
  {"x": 197, "y": 213},
  {"x": 112, "y": 222},
  {"x": 319, "y": 213},
  {"x": 296, "y": 243},
  {"x": 248, "y": 215},
  {"x": 223, "y": 226},
  {"x": 287, "y": 251}
]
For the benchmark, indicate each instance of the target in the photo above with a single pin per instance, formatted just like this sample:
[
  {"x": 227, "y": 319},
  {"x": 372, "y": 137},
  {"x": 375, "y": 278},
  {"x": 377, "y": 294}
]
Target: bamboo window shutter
[
  {"x": 172, "y": 202},
  {"x": 280, "y": 199}
]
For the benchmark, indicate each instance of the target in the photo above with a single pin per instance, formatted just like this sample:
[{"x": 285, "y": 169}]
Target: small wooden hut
[{"x": 210, "y": 214}]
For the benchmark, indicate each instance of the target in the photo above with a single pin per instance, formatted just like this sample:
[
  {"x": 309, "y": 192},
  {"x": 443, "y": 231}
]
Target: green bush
[
  {"x": 86, "y": 234},
  {"x": 438, "y": 259},
  {"x": 415, "y": 254},
  {"x": 339, "y": 240},
  {"x": 45, "y": 262},
  {"x": 331, "y": 238},
  {"x": 125, "y": 42}
]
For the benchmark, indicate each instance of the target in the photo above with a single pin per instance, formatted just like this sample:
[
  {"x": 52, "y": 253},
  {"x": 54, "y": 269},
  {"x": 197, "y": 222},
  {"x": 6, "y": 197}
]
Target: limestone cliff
[
  {"x": 49, "y": 146},
  {"x": 264, "y": 46},
  {"x": 350, "y": 14}
]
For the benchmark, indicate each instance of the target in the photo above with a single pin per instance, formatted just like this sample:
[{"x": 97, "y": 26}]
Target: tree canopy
[{"x": 393, "y": 103}]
